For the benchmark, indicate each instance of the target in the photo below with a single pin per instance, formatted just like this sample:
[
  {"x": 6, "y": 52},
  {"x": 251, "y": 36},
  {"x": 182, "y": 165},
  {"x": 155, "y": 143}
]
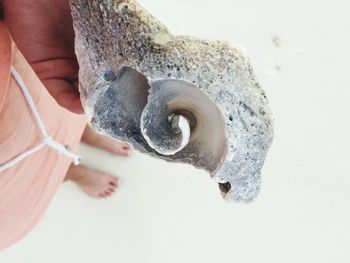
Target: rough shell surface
[{"x": 131, "y": 65}]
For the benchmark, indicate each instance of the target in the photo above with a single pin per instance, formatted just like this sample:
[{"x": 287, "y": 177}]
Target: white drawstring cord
[
  {"x": 47, "y": 140},
  {"x": 29, "y": 101}
]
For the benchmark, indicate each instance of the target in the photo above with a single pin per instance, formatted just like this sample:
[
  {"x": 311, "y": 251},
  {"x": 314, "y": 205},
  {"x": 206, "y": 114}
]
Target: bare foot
[
  {"x": 94, "y": 183},
  {"x": 103, "y": 142}
]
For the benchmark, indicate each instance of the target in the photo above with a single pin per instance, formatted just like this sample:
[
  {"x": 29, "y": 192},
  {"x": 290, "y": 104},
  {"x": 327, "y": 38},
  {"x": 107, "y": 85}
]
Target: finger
[{"x": 65, "y": 94}]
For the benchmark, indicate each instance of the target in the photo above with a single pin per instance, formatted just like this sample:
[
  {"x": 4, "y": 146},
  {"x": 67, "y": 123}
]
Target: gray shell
[{"x": 136, "y": 78}]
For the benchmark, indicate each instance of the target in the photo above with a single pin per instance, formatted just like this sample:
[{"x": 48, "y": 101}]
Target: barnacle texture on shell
[{"x": 175, "y": 97}]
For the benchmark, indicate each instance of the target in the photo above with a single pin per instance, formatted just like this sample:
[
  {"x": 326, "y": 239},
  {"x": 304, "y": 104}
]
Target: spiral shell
[{"x": 177, "y": 98}]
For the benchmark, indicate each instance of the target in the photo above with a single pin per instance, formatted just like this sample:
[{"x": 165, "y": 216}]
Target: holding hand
[{"x": 43, "y": 31}]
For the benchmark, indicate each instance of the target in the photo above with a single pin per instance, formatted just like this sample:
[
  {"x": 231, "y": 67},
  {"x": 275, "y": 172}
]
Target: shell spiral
[{"x": 177, "y": 98}]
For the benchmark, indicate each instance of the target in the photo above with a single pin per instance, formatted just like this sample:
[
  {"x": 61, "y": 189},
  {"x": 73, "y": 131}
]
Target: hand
[{"x": 43, "y": 32}]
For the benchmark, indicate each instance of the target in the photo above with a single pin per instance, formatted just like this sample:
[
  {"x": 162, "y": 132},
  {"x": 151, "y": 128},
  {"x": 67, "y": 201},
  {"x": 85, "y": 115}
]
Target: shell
[{"x": 175, "y": 97}]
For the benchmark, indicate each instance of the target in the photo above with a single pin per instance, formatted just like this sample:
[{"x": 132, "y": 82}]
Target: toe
[
  {"x": 127, "y": 149},
  {"x": 113, "y": 181},
  {"x": 98, "y": 184}
]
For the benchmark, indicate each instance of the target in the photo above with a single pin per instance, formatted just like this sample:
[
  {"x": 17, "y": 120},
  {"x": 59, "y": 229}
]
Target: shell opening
[
  {"x": 181, "y": 126},
  {"x": 172, "y": 118},
  {"x": 180, "y": 120}
]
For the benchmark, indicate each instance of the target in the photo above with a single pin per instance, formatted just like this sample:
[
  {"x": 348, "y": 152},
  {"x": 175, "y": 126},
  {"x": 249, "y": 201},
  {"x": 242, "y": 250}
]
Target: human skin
[
  {"x": 47, "y": 41},
  {"x": 43, "y": 31}
]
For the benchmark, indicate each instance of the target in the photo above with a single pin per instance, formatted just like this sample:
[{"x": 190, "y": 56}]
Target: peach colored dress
[{"x": 27, "y": 188}]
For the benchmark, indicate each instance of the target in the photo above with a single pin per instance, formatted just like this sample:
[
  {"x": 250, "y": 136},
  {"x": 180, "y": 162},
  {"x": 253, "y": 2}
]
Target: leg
[
  {"x": 94, "y": 183},
  {"x": 116, "y": 147}
]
